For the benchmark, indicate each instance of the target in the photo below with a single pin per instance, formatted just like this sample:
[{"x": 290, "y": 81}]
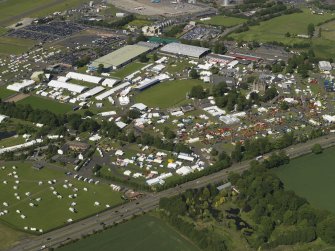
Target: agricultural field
[
  {"x": 167, "y": 94},
  {"x": 4, "y": 93},
  {"x": 9, "y": 45},
  {"x": 276, "y": 28},
  {"x": 143, "y": 233},
  {"x": 311, "y": 179},
  {"x": 46, "y": 104},
  {"x": 127, "y": 70},
  {"x": 223, "y": 21},
  {"x": 12, "y": 11},
  {"x": 41, "y": 199}
]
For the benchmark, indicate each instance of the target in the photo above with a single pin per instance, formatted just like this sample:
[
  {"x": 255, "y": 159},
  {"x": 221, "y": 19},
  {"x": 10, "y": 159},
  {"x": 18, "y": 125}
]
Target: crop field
[
  {"x": 41, "y": 198},
  {"x": 4, "y": 93},
  {"x": 143, "y": 233},
  {"x": 14, "y": 10},
  {"x": 312, "y": 177},
  {"x": 276, "y": 28},
  {"x": 9, "y": 45},
  {"x": 167, "y": 94},
  {"x": 127, "y": 70},
  {"x": 46, "y": 104},
  {"x": 224, "y": 21}
]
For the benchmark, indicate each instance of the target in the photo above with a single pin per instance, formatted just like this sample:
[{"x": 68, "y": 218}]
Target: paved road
[{"x": 147, "y": 203}]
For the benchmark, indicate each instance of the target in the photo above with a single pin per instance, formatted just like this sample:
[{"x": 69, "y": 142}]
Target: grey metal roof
[{"x": 185, "y": 50}]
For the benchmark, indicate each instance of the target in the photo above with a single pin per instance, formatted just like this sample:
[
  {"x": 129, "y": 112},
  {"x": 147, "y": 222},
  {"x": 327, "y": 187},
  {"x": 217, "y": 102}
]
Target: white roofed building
[
  {"x": 84, "y": 77},
  {"x": 68, "y": 86}
]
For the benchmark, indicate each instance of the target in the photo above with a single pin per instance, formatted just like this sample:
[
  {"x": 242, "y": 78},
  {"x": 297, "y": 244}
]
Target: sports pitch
[
  {"x": 312, "y": 177},
  {"x": 40, "y": 199},
  {"x": 143, "y": 233},
  {"x": 167, "y": 94}
]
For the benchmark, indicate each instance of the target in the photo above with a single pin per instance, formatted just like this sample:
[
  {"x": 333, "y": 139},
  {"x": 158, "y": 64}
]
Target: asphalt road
[{"x": 147, "y": 203}]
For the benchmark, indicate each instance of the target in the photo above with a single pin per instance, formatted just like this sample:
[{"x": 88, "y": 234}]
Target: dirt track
[{"x": 17, "y": 97}]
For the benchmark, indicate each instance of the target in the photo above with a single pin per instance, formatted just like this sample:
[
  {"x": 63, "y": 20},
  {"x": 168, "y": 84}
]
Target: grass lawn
[
  {"x": 143, "y": 233},
  {"x": 51, "y": 211},
  {"x": 276, "y": 28},
  {"x": 167, "y": 94},
  {"x": 127, "y": 70},
  {"x": 46, "y": 104},
  {"x": 11, "y": 11},
  {"x": 12, "y": 141},
  {"x": 139, "y": 23},
  {"x": 9, "y": 45},
  {"x": 224, "y": 21},
  {"x": 9, "y": 237},
  {"x": 312, "y": 177},
  {"x": 4, "y": 93}
]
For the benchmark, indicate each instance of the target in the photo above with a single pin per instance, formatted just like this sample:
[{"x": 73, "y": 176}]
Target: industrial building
[
  {"x": 185, "y": 50},
  {"x": 120, "y": 57}
]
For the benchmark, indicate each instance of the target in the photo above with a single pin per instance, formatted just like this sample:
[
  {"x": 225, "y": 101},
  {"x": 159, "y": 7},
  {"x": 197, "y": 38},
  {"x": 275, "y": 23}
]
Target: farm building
[
  {"x": 120, "y": 57},
  {"x": 185, "y": 50}
]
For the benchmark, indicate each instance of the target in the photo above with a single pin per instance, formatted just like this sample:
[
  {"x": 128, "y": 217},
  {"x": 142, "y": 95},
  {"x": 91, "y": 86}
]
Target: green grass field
[
  {"x": 127, "y": 70},
  {"x": 276, "y": 28},
  {"x": 46, "y": 104},
  {"x": 11, "y": 11},
  {"x": 312, "y": 177},
  {"x": 51, "y": 211},
  {"x": 4, "y": 93},
  {"x": 12, "y": 141},
  {"x": 223, "y": 21},
  {"x": 167, "y": 94},
  {"x": 140, "y": 234},
  {"x": 139, "y": 23},
  {"x": 9, "y": 45},
  {"x": 9, "y": 237}
]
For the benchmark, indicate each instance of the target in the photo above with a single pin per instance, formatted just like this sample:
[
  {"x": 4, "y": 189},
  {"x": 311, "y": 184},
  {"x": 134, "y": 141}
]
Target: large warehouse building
[
  {"x": 185, "y": 50},
  {"x": 120, "y": 57}
]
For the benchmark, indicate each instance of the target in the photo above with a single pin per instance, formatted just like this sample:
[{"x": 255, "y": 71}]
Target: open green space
[
  {"x": 9, "y": 45},
  {"x": 139, "y": 23},
  {"x": 167, "y": 94},
  {"x": 223, "y": 21},
  {"x": 4, "y": 93},
  {"x": 312, "y": 177},
  {"x": 143, "y": 233},
  {"x": 51, "y": 211},
  {"x": 127, "y": 70},
  {"x": 9, "y": 237},
  {"x": 46, "y": 104},
  {"x": 276, "y": 28},
  {"x": 11, "y": 11},
  {"x": 12, "y": 141}
]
